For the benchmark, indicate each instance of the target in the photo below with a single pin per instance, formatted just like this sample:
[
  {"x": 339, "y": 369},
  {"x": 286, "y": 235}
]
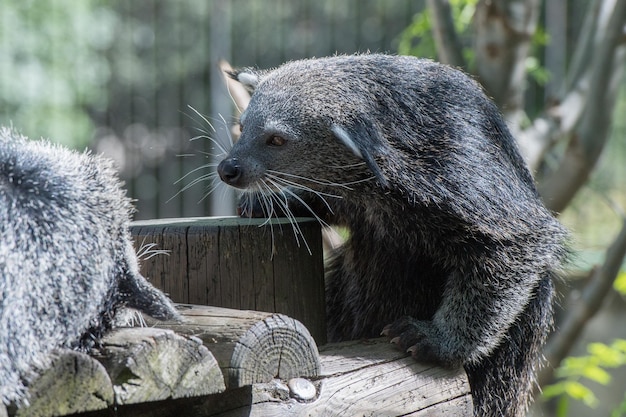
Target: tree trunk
[{"x": 504, "y": 30}]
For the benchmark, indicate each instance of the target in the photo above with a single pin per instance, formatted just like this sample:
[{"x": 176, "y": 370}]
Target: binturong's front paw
[{"x": 422, "y": 340}]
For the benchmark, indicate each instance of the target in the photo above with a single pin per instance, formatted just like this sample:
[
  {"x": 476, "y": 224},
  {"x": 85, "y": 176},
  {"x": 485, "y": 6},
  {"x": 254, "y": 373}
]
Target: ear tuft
[
  {"x": 248, "y": 77},
  {"x": 345, "y": 138},
  {"x": 365, "y": 143}
]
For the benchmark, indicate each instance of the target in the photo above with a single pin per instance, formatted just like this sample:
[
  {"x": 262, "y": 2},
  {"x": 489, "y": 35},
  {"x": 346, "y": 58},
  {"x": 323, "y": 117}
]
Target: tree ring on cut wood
[{"x": 276, "y": 347}]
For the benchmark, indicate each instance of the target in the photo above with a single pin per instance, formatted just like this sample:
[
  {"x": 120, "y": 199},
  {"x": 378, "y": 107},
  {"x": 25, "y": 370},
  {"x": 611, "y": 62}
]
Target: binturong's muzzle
[{"x": 229, "y": 171}]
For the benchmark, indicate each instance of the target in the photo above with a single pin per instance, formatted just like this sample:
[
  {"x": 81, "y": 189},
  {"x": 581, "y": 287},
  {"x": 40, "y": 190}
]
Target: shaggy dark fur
[
  {"x": 451, "y": 250},
  {"x": 67, "y": 264}
]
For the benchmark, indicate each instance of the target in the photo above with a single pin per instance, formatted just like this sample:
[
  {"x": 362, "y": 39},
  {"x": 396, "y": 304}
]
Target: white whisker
[
  {"x": 147, "y": 250},
  {"x": 290, "y": 216},
  {"x": 301, "y": 186},
  {"x": 214, "y": 186},
  {"x": 319, "y": 219},
  {"x": 228, "y": 132},
  {"x": 355, "y": 165},
  {"x": 209, "y": 165},
  {"x": 203, "y": 118},
  {"x": 282, "y": 181},
  {"x": 320, "y": 182},
  {"x": 286, "y": 183},
  {"x": 221, "y": 147},
  {"x": 324, "y": 182},
  {"x": 267, "y": 207}
]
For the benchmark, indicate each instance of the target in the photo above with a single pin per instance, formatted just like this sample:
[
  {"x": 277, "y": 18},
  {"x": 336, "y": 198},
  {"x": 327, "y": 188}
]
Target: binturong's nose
[{"x": 230, "y": 171}]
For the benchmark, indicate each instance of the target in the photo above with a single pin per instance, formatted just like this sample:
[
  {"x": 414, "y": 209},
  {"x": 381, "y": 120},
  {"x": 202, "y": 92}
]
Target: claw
[
  {"x": 395, "y": 340},
  {"x": 412, "y": 350},
  {"x": 386, "y": 330}
]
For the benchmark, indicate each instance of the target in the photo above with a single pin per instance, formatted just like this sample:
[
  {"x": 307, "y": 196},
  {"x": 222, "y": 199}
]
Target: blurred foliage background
[
  {"x": 119, "y": 77},
  {"x": 126, "y": 78}
]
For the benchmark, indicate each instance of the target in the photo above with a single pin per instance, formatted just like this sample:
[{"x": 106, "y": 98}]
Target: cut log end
[
  {"x": 148, "y": 364},
  {"x": 276, "y": 347},
  {"x": 251, "y": 346},
  {"x": 73, "y": 383}
]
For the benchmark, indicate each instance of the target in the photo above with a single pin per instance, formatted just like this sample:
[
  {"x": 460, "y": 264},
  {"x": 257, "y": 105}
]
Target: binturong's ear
[
  {"x": 366, "y": 143},
  {"x": 248, "y": 77}
]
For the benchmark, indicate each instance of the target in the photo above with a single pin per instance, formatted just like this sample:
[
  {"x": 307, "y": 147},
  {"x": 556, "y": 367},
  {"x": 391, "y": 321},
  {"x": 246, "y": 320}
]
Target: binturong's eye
[{"x": 276, "y": 140}]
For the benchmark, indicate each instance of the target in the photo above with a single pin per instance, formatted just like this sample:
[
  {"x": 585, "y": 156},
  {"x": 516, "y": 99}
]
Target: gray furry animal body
[
  {"x": 67, "y": 264},
  {"x": 451, "y": 250}
]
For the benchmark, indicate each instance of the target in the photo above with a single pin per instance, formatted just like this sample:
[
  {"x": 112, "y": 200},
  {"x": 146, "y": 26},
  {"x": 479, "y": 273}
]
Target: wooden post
[
  {"x": 250, "y": 346},
  {"x": 249, "y": 264}
]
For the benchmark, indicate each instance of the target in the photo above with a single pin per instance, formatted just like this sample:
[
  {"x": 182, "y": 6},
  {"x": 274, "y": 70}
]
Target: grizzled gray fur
[
  {"x": 451, "y": 252},
  {"x": 67, "y": 264}
]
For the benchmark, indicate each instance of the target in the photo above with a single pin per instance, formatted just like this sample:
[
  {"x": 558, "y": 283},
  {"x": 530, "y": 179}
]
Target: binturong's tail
[
  {"x": 139, "y": 294},
  {"x": 136, "y": 292},
  {"x": 502, "y": 384}
]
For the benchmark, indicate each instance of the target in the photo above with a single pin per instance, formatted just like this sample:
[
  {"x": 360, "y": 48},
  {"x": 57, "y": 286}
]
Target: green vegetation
[
  {"x": 53, "y": 66},
  {"x": 575, "y": 372},
  {"x": 417, "y": 38}
]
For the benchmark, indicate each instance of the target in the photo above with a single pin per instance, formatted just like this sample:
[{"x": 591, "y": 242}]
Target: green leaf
[
  {"x": 578, "y": 391},
  {"x": 620, "y": 283},
  {"x": 597, "y": 374},
  {"x": 607, "y": 356},
  {"x": 619, "y": 344},
  {"x": 553, "y": 390},
  {"x": 573, "y": 366}
]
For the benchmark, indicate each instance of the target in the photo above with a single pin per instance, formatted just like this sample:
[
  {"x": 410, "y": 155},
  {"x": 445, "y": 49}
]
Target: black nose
[{"x": 229, "y": 171}]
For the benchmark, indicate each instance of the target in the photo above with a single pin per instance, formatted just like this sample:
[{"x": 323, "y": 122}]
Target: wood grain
[{"x": 249, "y": 264}]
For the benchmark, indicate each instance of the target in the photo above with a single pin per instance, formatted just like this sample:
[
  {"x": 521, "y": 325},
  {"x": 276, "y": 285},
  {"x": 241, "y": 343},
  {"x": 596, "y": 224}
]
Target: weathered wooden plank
[
  {"x": 250, "y": 346},
  {"x": 148, "y": 364},
  {"x": 232, "y": 262},
  {"x": 73, "y": 383},
  {"x": 456, "y": 407},
  {"x": 256, "y": 258},
  {"x": 204, "y": 267},
  {"x": 390, "y": 388},
  {"x": 231, "y": 272},
  {"x": 373, "y": 379},
  {"x": 299, "y": 296},
  {"x": 174, "y": 278}
]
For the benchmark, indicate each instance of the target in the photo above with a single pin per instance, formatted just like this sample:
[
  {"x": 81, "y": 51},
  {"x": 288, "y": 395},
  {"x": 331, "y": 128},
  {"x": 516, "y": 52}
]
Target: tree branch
[
  {"x": 585, "y": 308},
  {"x": 583, "y": 53},
  {"x": 588, "y": 108},
  {"x": 558, "y": 120},
  {"x": 504, "y": 30},
  {"x": 449, "y": 47}
]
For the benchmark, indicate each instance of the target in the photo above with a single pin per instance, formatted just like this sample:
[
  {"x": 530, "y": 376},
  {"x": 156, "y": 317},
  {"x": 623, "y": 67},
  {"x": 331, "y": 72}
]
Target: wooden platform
[
  {"x": 232, "y": 360},
  {"x": 224, "y": 362}
]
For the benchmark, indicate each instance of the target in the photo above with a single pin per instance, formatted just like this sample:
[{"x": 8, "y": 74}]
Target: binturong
[
  {"x": 67, "y": 263},
  {"x": 451, "y": 252}
]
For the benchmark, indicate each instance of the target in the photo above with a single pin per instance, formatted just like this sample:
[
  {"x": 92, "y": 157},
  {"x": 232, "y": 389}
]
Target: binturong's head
[
  {"x": 374, "y": 126},
  {"x": 307, "y": 126}
]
